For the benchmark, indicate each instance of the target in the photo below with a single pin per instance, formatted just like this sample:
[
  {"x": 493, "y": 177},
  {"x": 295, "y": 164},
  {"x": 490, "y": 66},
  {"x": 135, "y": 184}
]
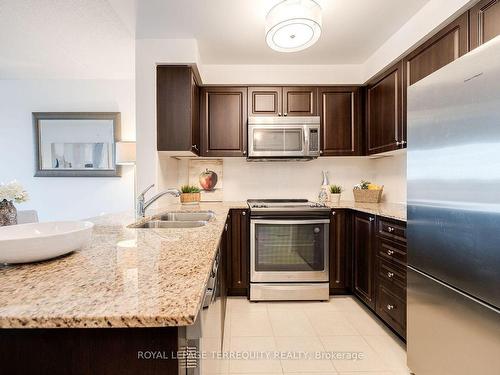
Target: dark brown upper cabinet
[
  {"x": 264, "y": 101},
  {"x": 364, "y": 257},
  {"x": 384, "y": 119},
  {"x": 300, "y": 101},
  {"x": 177, "y": 110},
  {"x": 446, "y": 46},
  {"x": 224, "y": 121},
  {"x": 484, "y": 22},
  {"x": 282, "y": 101},
  {"x": 340, "y": 112}
]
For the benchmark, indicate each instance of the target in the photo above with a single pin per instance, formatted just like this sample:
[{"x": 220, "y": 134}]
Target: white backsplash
[{"x": 243, "y": 180}]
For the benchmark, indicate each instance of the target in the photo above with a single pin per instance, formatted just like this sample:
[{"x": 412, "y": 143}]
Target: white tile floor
[{"x": 341, "y": 325}]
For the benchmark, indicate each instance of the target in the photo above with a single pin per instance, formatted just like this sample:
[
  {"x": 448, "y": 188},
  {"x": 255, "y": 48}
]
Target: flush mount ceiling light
[{"x": 293, "y": 25}]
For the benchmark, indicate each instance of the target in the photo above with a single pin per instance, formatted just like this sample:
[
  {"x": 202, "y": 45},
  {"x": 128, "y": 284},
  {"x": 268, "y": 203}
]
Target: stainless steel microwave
[{"x": 284, "y": 137}]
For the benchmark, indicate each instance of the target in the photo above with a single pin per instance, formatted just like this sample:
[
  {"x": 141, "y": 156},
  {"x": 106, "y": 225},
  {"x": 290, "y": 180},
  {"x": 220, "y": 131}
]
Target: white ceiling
[
  {"x": 64, "y": 39},
  {"x": 232, "y": 31}
]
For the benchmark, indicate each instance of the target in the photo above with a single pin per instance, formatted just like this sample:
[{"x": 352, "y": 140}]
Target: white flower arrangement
[{"x": 13, "y": 191}]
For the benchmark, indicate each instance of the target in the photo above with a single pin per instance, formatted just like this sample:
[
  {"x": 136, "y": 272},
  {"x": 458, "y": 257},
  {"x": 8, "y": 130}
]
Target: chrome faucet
[{"x": 142, "y": 204}]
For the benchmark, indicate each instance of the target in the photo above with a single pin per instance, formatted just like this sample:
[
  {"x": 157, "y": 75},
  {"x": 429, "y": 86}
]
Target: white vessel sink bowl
[{"x": 34, "y": 242}]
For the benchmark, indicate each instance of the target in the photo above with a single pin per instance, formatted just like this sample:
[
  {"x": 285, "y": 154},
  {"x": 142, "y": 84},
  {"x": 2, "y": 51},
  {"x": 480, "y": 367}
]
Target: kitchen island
[{"x": 134, "y": 287}]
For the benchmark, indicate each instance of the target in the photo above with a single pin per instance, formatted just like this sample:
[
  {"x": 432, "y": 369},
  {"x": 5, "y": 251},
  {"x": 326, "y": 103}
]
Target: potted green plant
[
  {"x": 335, "y": 191},
  {"x": 10, "y": 193},
  {"x": 190, "y": 194}
]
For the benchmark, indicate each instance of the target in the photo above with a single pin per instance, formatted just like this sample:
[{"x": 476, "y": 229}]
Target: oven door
[
  {"x": 277, "y": 141},
  {"x": 289, "y": 250}
]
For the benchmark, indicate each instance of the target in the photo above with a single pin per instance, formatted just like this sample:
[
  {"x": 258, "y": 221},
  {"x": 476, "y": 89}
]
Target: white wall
[
  {"x": 245, "y": 180},
  {"x": 391, "y": 172},
  {"x": 148, "y": 54},
  {"x": 62, "y": 198}
]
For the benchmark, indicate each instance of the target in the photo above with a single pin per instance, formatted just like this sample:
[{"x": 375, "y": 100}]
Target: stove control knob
[{"x": 317, "y": 230}]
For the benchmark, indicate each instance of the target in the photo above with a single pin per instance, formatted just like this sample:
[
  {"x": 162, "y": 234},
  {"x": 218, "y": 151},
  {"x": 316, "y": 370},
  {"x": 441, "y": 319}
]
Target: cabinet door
[
  {"x": 446, "y": 46},
  {"x": 484, "y": 22},
  {"x": 300, "y": 101},
  {"x": 238, "y": 261},
  {"x": 195, "y": 118},
  {"x": 364, "y": 257},
  {"x": 264, "y": 101},
  {"x": 340, "y": 254},
  {"x": 384, "y": 111},
  {"x": 177, "y": 107},
  {"x": 339, "y": 109},
  {"x": 224, "y": 121}
]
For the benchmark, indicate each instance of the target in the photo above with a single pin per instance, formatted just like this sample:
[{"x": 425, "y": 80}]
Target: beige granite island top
[{"x": 126, "y": 277}]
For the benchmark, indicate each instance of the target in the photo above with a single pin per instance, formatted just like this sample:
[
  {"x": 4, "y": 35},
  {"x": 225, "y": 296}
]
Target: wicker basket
[
  {"x": 367, "y": 196},
  {"x": 190, "y": 198}
]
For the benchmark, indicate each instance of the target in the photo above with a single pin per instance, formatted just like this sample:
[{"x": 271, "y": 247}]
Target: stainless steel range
[{"x": 288, "y": 250}]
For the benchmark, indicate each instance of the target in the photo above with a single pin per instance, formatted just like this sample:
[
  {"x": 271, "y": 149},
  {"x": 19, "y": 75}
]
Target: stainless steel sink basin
[
  {"x": 188, "y": 216},
  {"x": 173, "y": 224}
]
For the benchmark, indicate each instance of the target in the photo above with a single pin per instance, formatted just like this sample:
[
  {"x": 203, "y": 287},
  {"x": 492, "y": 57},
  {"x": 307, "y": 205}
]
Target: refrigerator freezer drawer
[{"x": 449, "y": 333}]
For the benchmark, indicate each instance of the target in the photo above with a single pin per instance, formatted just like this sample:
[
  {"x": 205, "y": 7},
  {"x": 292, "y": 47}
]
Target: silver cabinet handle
[
  {"x": 279, "y": 113},
  {"x": 398, "y": 143},
  {"x": 371, "y": 218},
  {"x": 333, "y": 213},
  {"x": 390, "y": 307},
  {"x": 390, "y": 252},
  {"x": 285, "y": 114},
  {"x": 390, "y": 229},
  {"x": 390, "y": 275},
  {"x": 244, "y": 152},
  {"x": 321, "y": 152},
  {"x": 244, "y": 213},
  {"x": 195, "y": 147},
  {"x": 403, "y": 143},
  {"x": 225, "y": 227}
]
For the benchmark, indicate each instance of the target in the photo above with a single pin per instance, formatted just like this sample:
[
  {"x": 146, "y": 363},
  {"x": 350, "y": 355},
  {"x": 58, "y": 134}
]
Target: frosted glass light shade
[
  {"x": 125, "y": 153},
  {"x": 293, "y": 25}
]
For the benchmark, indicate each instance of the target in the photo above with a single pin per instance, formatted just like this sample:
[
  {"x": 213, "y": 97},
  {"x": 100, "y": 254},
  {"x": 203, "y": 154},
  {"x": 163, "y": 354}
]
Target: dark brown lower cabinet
[
  {"x": 87, "y": 351},
  {"x": 364, "y": 257},
  {"x": 340, "y": 252},
  {"x": 391, "y": 262},
  {"x": 238, "y": 253}
]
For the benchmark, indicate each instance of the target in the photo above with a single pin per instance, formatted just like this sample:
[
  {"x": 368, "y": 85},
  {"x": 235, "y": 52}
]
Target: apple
[{"x": 208, "y": 180}]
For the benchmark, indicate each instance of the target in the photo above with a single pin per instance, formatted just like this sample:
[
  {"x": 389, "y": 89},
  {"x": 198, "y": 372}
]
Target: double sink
[{"x": 190, "y": 219}]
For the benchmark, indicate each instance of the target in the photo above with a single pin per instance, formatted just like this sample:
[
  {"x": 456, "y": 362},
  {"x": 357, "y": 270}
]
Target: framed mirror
[{"x": 76, "y": 144}]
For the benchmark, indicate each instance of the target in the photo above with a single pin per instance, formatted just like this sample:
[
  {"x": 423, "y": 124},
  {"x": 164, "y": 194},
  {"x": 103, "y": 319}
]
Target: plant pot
[
  {"x": 8, "y": 213},
  {"x": 335, "y": 198},
  {"x": 190, "y": 198}
]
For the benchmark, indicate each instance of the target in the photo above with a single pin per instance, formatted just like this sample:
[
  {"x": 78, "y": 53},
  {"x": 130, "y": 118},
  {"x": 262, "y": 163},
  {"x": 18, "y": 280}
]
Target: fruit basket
[{"x": 366, "y": 192}]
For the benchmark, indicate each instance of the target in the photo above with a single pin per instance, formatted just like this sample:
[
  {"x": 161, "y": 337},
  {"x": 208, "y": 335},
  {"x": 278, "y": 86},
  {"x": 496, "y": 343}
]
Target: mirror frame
[{"x": 37, "y": 116}]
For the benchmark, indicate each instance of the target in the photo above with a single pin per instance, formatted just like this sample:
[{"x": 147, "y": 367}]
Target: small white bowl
[{"x": 34, "y": 242}]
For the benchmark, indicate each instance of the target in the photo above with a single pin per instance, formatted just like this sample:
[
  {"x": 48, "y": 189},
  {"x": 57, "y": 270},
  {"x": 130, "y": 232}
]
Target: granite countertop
[
  {"x": 390, "y": 210},
  {"x": 126, "y": 277}
]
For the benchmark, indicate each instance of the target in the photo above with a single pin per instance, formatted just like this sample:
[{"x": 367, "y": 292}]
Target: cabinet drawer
[
  {"x": 392, "y": 251},
  {"x": 392, "y": 309},
  {"x": 395, "y": 230},
  {"x": 392, "y": 274}
]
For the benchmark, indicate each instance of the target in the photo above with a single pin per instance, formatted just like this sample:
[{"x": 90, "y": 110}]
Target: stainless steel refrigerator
[{"x": 454, "y": 217}]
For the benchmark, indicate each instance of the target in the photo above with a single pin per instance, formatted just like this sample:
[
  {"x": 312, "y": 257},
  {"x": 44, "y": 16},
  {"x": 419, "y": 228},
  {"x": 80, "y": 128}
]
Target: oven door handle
[{"x": 289, "y": 222}]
